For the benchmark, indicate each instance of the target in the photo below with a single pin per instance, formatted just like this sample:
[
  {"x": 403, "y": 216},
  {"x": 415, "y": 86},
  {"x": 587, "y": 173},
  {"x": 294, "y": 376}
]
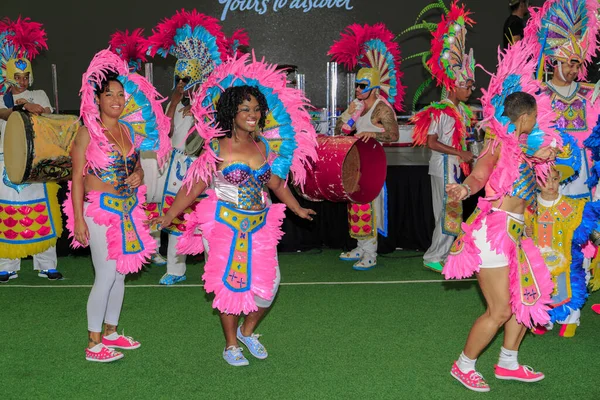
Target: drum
[
  {"x": 37, "y": 147},
  {"x": 347, "y": 169}
]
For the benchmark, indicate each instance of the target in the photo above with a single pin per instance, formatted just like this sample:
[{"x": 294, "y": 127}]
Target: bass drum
[
  {"x": 346, "y": 170},
  {"x": 37, "y": 147}
]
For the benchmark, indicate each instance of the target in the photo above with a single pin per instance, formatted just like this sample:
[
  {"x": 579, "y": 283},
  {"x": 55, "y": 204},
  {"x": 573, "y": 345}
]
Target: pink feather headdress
[
  {"x": 20, "y": 42},
  {"x": 143, "y": 112},
  {"x": 289, "y": 132},
  {"x": 131, "y": 47},
  {"x": 372, "y": 46}
]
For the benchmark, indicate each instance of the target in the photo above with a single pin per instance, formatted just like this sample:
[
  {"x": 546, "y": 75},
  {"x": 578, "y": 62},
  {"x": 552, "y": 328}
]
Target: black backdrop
[{"x": 78, "y": 29}]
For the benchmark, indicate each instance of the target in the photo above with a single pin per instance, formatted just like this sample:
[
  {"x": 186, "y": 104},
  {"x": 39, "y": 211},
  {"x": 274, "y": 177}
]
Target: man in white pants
[
  {"x": 15, "y": 200},
  {"x": 165, "y": 184}
]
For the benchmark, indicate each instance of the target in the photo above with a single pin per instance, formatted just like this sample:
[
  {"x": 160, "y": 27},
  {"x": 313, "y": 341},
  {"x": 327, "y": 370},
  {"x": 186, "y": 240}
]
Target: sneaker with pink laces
[
  {"x": 524, "y": 374},
  {"x": 116, "y": 341},
  {"x": 472, "y": 380},
  {"x": 103, "y": 354}
]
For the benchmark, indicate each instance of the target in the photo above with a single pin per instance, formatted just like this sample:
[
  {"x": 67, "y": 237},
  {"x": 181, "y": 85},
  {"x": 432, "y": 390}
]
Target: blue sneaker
[
  {"x": 5, "y": 276},
  {"x": 434, "y": 266},
  {"x": 168, "y": 279},
  {"x": 233, "y": 355},
  {"x": 254, "y": 346},
  {"x": 51, "y": 274}
]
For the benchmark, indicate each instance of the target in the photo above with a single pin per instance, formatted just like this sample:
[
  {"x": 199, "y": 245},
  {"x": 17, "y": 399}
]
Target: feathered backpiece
[
  {"x": 238, "y": 39},
  {"x": 373, "y": 49},
  {"x": 131, "y": 47},
  {"x": 289, "y": 133},
  {"x": 515, "y": 73},
  {"x": 195, "y": 39},
  {"x": 447, "y": 60},
  {"x": 142, "y": 114},
  {"x": 565, "y": 31},
  {"x": 20, "y": 42}
]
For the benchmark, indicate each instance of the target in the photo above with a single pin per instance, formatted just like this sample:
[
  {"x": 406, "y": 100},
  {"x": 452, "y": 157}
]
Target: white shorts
[{"x": 489, "y": 257}]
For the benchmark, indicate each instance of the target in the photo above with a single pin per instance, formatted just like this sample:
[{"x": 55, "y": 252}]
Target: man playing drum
[
  {"x": 371, "y": 116},
  {"x": 30, "y": 214}
]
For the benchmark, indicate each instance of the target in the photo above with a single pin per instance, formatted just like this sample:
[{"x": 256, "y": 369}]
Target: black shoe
[
  {"x": 5, "y": 276},
  {"x": 51, "y": 274}
]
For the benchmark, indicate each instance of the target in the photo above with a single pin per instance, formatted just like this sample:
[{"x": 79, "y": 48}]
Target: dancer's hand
[
  {"x": 81, "y": 232},
  {"x": 135, "y": 179},
  {"x": 528, "y": 231},
  {"x": 161, "y": 222},
  {"x": 546, "y": 153},
  {"x": 305, "y": 213},
  {"x": 34, "y": 108},
  {"x": 457, "y": 191}
]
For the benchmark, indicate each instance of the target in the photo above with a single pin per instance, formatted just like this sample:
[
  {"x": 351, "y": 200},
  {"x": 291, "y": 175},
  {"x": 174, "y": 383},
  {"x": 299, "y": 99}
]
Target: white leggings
[{"x": 106, "y": 297}]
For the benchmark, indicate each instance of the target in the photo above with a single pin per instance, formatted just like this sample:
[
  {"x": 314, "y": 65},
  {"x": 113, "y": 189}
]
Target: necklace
[{"x": 120, "y": 144}]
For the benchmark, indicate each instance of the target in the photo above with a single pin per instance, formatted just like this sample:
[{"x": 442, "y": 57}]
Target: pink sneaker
[
  {"x": 101, "y": 353},
  {"x": 471, "y": 380},
  {"x": 524, "y": 374},
  {"x": 539, "y": 330},
  {"x": 116, "y": 341},
  {"x": 596, "y": 308}
]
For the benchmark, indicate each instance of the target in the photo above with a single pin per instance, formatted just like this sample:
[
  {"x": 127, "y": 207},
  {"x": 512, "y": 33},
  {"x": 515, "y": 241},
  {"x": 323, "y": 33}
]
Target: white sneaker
[{"x": 157, "y": 259}]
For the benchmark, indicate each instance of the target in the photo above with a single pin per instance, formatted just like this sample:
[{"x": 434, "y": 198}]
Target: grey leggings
[{"x": 106, "y": 297}]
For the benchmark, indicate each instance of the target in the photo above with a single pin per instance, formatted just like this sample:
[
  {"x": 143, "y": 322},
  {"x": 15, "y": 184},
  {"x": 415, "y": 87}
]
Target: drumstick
[{"x": 55, "y": 87}]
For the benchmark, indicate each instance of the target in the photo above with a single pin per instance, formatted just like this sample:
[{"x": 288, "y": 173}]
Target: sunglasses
[
  {"x": 185, "y": 80},
  {"x": 361, "y": 86}
]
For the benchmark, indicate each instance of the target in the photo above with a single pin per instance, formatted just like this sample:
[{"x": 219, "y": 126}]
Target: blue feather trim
[
  {"x": 574, "y": 161},
  {"x": 593, "y": 141},
  {"x": 151, "y": 141}
]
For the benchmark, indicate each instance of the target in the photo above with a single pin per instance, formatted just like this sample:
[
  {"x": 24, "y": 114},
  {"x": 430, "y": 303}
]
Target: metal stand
[
  {"x": 350, "y": 92},
  {"x": 149, "y": 72},
  {"x": 332, "y": 86},
  {"x": 55, "y": 87}
]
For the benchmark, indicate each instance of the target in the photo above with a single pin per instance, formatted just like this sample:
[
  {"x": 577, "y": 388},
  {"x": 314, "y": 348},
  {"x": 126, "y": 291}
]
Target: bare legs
[
  {"x": 494, "y": 284},
  {"x": 229, "y": 322}
]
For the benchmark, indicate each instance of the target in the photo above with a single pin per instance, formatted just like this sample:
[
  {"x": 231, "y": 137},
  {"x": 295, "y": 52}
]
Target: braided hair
[{"x": 231, "y": 98}]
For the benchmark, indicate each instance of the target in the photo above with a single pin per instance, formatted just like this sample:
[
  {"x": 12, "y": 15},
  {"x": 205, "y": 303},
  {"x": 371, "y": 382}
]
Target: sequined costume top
[
  {"x": 239, "y": 184},
  {"x": 571, "y": 111},
  {"x": 120, "y": 168}
]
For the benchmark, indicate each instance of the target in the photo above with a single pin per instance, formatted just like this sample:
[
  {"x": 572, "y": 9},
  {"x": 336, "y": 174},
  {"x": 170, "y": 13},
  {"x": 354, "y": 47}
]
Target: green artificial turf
[{"x": 366, "y": 340}]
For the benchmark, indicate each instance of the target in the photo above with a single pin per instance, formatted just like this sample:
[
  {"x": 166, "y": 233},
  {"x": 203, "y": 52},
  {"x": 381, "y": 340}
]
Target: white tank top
[{"x": 364, "y": 123}]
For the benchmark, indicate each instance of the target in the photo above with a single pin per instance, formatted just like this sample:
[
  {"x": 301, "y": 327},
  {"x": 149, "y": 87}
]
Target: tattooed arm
[{"x": 386, "y": 117}]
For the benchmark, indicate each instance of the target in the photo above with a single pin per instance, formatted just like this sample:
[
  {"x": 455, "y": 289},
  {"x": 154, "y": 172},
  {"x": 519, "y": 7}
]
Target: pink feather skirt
[
  {"x": 129, "y": 240},
  {"x": 241, "y": 259},
  {"x": 530, "y": 282}
]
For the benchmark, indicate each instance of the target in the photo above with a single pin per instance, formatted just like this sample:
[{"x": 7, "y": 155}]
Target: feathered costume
[
  {"x": 199, "y": 45},
  {"x": 30, "y": 218},
  {"x": 242, "y": 259},
  {"x": 515, "y": 174},
  {"x": 561, "y": 229},
  {"x": 373, "y": 49},
  {"x": 451, "y": 67},
  {"x": 128, "y": 238},
  {"x": 565, "y": 31},
  {"x": 131, "y": 47}
]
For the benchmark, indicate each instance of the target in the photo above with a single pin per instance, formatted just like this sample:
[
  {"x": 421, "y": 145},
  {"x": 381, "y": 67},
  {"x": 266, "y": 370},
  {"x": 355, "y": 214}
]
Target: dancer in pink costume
[
  {"x": 260, "y": 133},
  {"x": 510, "y": 270},
  {"x": 104, "y": 206}
]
